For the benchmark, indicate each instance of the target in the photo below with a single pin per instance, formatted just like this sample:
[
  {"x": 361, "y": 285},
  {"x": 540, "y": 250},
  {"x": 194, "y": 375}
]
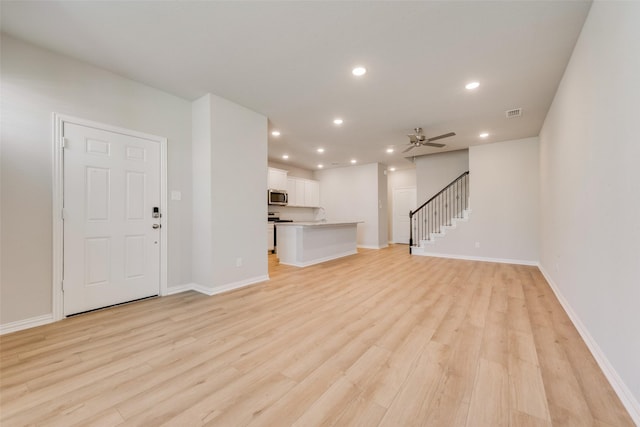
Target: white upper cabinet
[
  {"x": 277, "y": 179},
  {"x": 291, "y": 191},
  {"x": 312, "y": 193},
  {"x": 300, "y": 186},
  {"x": 303, "y": 192}
]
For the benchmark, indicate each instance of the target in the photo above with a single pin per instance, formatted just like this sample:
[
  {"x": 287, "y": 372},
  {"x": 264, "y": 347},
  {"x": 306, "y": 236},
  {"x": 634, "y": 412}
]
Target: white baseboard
[
  {"x": 180, "y": 288},
  {"x": 477, "y": 258},
  {"x": 626, "y": 396},
  {"x": 32, "y": 322},
  {"x": 217, "y": 289}
]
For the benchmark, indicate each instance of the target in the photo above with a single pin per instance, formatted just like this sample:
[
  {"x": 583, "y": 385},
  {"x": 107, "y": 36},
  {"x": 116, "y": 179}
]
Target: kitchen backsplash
[{"x": 296, "y": 214}]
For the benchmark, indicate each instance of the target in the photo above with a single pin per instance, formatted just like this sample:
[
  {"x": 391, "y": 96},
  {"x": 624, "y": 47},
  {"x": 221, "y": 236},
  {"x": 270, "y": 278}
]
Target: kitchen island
[{"x": 306, "y": 243}]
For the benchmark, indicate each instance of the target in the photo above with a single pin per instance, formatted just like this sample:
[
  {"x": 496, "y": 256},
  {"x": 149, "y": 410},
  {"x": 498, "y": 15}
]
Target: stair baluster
[{"x": 439, "y": 211}]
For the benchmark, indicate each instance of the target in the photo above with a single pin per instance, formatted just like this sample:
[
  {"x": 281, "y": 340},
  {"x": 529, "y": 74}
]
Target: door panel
[
  {"x": 404, "y": 200},
  {"x": 134, "y": 256},
  {"x": 111, "y": 250},
  {"x": 97, "y": 194},
  {"x": 135, "y": 195},
  {"x": 96, "y": 258}
]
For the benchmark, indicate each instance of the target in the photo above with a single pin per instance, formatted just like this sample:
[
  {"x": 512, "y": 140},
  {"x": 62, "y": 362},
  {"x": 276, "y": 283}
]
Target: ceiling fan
[{"x": 418, "y": 139}]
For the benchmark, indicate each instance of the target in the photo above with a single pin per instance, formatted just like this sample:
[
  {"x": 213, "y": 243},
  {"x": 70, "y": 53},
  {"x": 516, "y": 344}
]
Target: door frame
[
  {"x": 393, "y": 190},
  {"x": 58, "y": 199}
]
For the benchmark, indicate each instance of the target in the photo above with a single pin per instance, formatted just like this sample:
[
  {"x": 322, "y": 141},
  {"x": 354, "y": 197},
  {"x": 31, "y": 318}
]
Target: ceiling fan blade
[
  {"x": 444, "y": 135},
  {"x": 410, "y": 147},
  {"x": 433, "y": 144}
]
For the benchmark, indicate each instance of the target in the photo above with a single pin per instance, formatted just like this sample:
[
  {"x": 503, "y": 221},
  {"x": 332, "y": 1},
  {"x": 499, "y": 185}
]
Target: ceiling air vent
[{"x": 516, "y": 112}]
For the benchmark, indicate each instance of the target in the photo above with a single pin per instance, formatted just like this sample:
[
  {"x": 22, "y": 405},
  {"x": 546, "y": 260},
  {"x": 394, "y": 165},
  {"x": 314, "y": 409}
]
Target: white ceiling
[{"x": 292, "y": 61}]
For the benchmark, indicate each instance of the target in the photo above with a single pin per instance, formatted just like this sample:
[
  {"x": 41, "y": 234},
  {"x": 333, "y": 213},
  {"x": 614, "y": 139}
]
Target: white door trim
[
  {"x": 57, "y": 183},
  {"x": 393, "y": 214}
]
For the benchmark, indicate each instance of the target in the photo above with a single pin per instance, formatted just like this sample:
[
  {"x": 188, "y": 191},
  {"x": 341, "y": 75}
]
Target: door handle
[{"x": 156, "y": 226}]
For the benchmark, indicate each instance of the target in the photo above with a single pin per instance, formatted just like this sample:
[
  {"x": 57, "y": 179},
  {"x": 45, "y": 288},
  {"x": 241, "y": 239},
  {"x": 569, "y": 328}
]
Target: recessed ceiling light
[
  {"x": 354, "y": 161},
  {"x": 285, "y": 156},
  {"x": 359, "y": 71},
  {"x": 320, "y": 150},
  {"x": 472, "y": 85},
  {"x": 338, "y": 121},
  {"x": 392, "y": 169},
  {"x": 389, "y": 150},
  {"x": 483, "y": 135},
  {"x": 275, "y": 133},
  {"x": 320, "y": 166}
]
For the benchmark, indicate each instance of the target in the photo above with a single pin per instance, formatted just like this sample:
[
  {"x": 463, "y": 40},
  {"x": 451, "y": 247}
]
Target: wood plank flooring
[{"x": 375, "y": 339}]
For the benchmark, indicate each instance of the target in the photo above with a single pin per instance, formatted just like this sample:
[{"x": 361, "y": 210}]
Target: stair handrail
[
  {"x": 429, "y": 223},
  {"x": 437, "y": 194}
]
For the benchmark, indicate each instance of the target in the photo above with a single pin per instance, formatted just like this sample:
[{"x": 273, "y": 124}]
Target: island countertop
[{"x": 316, "y": 223}]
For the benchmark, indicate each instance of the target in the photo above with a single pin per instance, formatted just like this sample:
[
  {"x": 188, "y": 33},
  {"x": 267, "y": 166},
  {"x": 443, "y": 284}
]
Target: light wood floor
[{"x": 375, "y": 339}]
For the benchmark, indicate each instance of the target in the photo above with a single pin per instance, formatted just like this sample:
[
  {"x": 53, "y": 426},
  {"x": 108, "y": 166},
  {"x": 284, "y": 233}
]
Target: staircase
[{"x": 439, "y": 213}]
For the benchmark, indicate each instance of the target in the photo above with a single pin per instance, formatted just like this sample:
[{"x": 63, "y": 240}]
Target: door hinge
[
  {"x": 62, "y": 283},
  {"x": 64, "y": 142},
  {"x": 62, "y": 214}
]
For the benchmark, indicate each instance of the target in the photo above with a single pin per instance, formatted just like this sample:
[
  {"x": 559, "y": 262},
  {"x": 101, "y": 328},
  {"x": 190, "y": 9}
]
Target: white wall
[
  {"x": 34, "y": 84},
  {"x": 503, "y": 183},
  {"x": 399, "y": 179},
  {"x": 590, "y": 188},
  {"x": 383, "y": 207},
  {"x": 234, "y": 203},
  {"x": 352, "y": 193},
  {"x": 202, "y": 205},
  {"x": 436, "y": 171}
]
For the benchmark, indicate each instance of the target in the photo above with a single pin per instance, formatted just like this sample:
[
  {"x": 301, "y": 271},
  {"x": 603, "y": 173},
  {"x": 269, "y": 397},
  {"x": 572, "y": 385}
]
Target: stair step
[{"x": 433, "y": 236}]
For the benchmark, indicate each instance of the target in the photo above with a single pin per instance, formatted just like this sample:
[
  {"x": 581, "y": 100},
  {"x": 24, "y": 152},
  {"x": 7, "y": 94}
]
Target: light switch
[{"x": 176, "y": 195}]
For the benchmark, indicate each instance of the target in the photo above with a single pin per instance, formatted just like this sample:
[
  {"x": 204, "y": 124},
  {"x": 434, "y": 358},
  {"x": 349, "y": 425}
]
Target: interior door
[
  {"x": 404, "y": 200},
  {"x": 111, "y": 238}
]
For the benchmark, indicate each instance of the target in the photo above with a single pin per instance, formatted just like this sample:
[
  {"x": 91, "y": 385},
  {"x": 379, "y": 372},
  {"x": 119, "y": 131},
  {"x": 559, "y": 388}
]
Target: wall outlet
[
  {"x": 238, "y": 262},
  {"x": 176, "y": 195},
  {"x": 477, "y": 244}
]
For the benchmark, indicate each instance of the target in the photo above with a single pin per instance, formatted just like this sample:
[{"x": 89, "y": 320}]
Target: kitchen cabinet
[
  {"x": 300, "y": 185},
  {"x": 312, "y": 193},
  {"x": 291, "y": 191},
  {"x": 276, "y": 179},
  {"x": 303, "y": 192},
  {"x": 307, "y": 243}
]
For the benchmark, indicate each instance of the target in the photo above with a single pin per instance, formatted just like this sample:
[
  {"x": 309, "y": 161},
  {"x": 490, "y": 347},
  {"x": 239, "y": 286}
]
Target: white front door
[
  {"x": 111, "y": 248},
  {"x": 404, "y": 200}
]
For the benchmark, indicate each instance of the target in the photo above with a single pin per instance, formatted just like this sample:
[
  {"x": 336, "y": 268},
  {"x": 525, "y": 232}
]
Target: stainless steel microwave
[{"x": 277, "y": 197}]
